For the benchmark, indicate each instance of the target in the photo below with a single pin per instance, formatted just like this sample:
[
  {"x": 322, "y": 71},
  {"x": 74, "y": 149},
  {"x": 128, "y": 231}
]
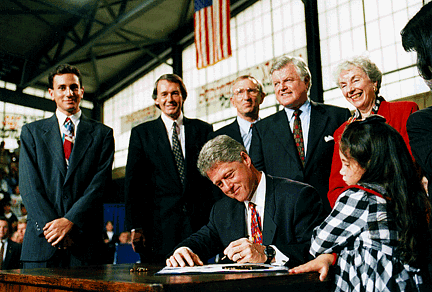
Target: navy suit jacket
[
  {"x": 291, "y": 213},
  {"x": 13, "y": 255},
  {"x": 232, "y": 130},
  {"x": 273, "y": 149},
  {"x": 50, "y": 190},
  {"x": 156, "y": 201}
]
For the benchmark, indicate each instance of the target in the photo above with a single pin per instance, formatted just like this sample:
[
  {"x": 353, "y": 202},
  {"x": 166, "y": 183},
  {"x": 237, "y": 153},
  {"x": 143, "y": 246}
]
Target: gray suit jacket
[{"x": 50, "y": 190}]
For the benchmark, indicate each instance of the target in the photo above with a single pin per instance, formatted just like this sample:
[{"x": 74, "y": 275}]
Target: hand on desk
[
  {"x": 244, "y": 250},
  {"x": 320, "y": 264},
  {"x": 182, "y": 257}
]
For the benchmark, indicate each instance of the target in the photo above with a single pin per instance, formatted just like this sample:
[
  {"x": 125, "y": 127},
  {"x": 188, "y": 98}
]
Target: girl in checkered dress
[{"x": 378, "y": 229}]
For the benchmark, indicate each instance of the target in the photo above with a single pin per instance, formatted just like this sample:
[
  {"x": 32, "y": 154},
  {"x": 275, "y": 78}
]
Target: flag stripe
[{"x": 212, "y": 32}]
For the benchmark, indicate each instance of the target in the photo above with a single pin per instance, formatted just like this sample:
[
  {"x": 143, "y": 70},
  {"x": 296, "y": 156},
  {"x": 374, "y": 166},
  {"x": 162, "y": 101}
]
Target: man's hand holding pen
[{"x": 245, "y": 250}]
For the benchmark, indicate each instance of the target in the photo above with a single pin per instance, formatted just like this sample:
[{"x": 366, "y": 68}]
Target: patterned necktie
[
  {"x": 178, "y": 155},
  {"x": 298, "y": 135},
  {"x": 68, "y": 138},
  {"x": 255, "y": 224}
]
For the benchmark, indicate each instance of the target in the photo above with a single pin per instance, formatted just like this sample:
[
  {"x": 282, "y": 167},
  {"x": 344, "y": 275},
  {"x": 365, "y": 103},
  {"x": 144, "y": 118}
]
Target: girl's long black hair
[{"x": 382, "y": 152}]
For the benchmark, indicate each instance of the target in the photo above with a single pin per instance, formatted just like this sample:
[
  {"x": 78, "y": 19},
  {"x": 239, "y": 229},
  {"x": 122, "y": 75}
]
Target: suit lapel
[
  {"x": 190, "y": 138},
  {"x": 269, "y": 226},
  {"x": 235, "y": 131},
  {"x": 283, "y": 133},
  {"x": 54, "y": 145},
  {"x": 163, "y": 146},
  {"x": 236, "y": 223},
  {"x": 8, "y": 254},
  {"x": 84, "y": 139},
  {"x": 318, "y": 123}
]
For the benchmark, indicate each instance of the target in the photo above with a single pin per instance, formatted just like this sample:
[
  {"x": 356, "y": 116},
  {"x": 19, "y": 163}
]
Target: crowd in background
[{"x": 12, "y": 207}]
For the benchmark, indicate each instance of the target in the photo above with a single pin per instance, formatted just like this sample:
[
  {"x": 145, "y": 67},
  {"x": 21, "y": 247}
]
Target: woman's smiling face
[{"x": 357, "y": 88}]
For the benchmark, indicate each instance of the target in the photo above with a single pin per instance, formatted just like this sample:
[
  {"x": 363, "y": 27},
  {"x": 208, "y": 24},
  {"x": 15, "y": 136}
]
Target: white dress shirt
[
  {"x": 5, "y": 243},
  {"x": 258, "y": 199},
  {"x": 61, "y": 117},
  {"x": 169, "y": 128},
  {"x": 245, "y": 131}
]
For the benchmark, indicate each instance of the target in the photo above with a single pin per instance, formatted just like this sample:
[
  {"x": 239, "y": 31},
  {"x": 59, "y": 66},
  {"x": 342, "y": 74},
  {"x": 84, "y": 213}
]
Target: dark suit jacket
[
  {"x": 419, "y": 127},
  {"x": 13, "y": 255},
  {"x": 155, "y": 198},
  {"x": 273, "y": 149},
  {"x": 291, "y": 213},
  {"x": 232, "y": 130},
  {"x": 50, "y": 190}
]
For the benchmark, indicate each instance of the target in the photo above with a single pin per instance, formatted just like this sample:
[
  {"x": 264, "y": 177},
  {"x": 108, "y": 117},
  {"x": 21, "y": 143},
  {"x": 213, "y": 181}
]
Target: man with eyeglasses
[
  {"x": 247, "y": 96},
  {"x": 297, "y": 142}
]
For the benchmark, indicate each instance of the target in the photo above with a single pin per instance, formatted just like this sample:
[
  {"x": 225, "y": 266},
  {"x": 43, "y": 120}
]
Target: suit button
[{"x": 184, "y": 209}]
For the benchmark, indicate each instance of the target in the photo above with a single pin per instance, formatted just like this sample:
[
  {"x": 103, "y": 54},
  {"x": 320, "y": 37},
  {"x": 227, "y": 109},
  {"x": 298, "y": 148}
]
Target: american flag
[{"x": 212, "y": 31}]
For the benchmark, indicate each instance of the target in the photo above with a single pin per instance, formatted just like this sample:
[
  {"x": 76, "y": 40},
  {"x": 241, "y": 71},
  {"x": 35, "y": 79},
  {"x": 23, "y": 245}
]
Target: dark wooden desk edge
[{"x": 122, "y": 279}]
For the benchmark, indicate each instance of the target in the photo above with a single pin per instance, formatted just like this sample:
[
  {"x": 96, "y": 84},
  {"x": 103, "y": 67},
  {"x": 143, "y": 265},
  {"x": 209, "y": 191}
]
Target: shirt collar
[
  {"x": 169, "y": 122},
  {"x": 61, "y": 117},
  {"x": 305, "y": 108},
  {"x": 245, "y": 125}
]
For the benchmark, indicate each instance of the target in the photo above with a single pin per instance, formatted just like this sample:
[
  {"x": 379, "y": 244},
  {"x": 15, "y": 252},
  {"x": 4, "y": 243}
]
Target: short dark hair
[
  {"x": 171, "y": 78},
  {"x": 64, "y": 69},
  {"x": 417, "y": 36}
]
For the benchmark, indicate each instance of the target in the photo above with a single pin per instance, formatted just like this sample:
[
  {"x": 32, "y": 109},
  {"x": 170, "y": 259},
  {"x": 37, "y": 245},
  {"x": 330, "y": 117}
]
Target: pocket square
[{"x": 328, "y": 138}]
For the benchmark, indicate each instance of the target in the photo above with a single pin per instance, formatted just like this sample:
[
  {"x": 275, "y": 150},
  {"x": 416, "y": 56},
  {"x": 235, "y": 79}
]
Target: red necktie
[
  {"x": 298, "y": 135},
  {"x": 255, "y": 224},
  {"x": 68, "y": 138}
]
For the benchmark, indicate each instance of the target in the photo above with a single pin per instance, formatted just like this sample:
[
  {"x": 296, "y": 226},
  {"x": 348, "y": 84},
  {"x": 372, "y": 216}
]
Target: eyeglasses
[{"x": 251, "y": 91}]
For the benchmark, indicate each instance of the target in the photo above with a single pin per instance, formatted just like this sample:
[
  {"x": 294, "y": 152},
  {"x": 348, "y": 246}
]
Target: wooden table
[{"x": 119, "y": 278}]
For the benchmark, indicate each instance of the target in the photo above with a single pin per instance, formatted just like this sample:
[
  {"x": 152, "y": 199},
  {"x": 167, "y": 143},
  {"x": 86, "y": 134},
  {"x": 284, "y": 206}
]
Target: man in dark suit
[
  {"x": 165, "y": 194},
  {"x": 65, "y": 165},
  {"x": 287, "y": 212},
  {"x": 274, "y": 149},
  {"x": 247, "y": 96},
  {"x": 11, "y": 250}
]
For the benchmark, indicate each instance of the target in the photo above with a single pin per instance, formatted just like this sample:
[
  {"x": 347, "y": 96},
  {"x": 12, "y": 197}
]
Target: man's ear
[
  {"x": 51, "y": 93},
  {"x": 246, "y": 159}
]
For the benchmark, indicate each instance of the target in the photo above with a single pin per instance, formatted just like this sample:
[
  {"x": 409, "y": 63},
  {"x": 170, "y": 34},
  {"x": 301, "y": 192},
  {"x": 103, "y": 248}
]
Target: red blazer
[{"x": 396, "y": 114}]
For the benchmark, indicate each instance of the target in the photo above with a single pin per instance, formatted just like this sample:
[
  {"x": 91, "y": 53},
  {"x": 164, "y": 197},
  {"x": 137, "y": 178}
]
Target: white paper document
[{"x": 222, "y": 268}]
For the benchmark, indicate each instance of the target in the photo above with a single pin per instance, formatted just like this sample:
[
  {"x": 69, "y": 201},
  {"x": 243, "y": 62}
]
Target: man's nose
[
  {"x": 69, "y": 92},
  {"x": 226, "y": 186}
]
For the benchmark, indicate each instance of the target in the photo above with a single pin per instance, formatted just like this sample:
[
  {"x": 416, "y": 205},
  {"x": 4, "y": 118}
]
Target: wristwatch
[{"x": 270, "y": 253}]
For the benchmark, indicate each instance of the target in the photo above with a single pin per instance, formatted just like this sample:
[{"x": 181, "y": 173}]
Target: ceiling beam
[{"x": 119, "y": 22}]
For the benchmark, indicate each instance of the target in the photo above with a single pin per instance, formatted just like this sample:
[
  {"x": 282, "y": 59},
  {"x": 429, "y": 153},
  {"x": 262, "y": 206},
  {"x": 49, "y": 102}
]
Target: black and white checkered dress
[{"x": 365, "y": 240}]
